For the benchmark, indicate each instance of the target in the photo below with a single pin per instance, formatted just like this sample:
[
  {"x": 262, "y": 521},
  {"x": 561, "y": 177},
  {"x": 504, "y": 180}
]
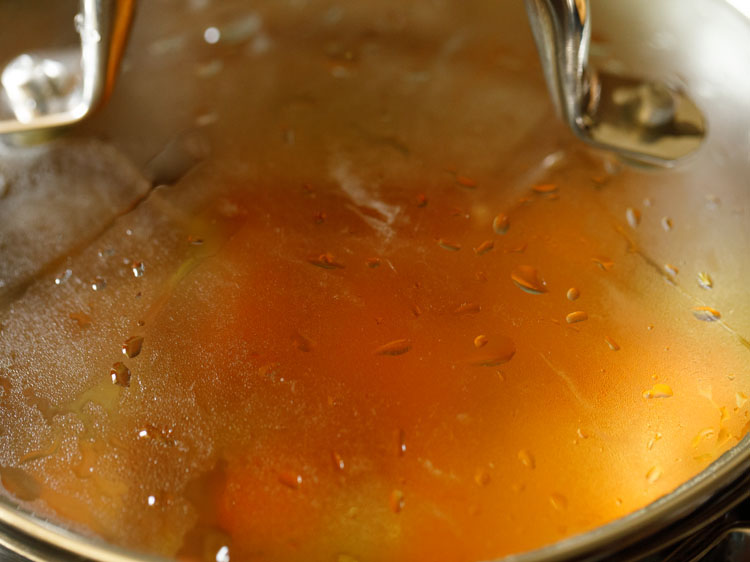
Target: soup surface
[{"x": 380, "y": 305}]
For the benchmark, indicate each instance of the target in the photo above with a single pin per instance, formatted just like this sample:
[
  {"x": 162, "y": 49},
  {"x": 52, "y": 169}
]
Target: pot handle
[{"x": 45, "y": 93}]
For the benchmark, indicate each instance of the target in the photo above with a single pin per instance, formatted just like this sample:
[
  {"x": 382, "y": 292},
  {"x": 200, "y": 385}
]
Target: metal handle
[
  {"x": 562, "y": 33},
  {"x": 45, "y": 93}
]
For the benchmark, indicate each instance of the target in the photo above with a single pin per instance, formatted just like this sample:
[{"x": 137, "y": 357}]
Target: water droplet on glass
[
  {"x": 740, "y": 399},
  {"x": 613, "y": 345},
  {"x": 120, "y": 374},
  {"x": 577, "y": 316},
  {"x": 401, "y": 442},
  {"x": 633, "y": 216},
  {"x": 705, "y": 281},
  {"x": 338, "y": 461},
  {"x": 482, "y": 477},
  {"x": 527, "y": 278},
  {"x": 463, "y": 181},
  {"x": 480, "y": 341},
  {"x": 211, "y": 35},
  {"x": 545, "y": 188},
  {"x": 666, "y": 224},
  {"x": 396, "y": 501},
  {"x": 222, "y": 555},
  {"x": 573, "y": 294},
  {"x": 605, "y": 264},
  {"x": 290, "y": 479},
  {"x": 467, "y": 308},
  {"x": 659, "y": 390},
  {"x": 500, "y": 224},
  {"x": 526, "y": 459},
  {"x": 98, "y": 284},
  {"x": 653, "y": 474},
  {"x": 138, "y": 269},
  {"x": 653, "y": 440},
  {"x": 706, "y": 313},
  {"x": 372, "y": 263},
  {"x": 448, "y": 245},
  {"x": 131, "y": 347},
  {"x": 63, "y": 277},
  {"x": 671, "y": 269},
  {"x": 326, "y": 261},
  {"x": 559, "y": 502},
  {"x": 151, "y": 501},
  {"x": 703, "y": 434},
  {"x": 484, "y": 247},
  {"x": 395, "y": 347},
  {"x": 82, "y": 319},
  {"x": 582, "y": 434}
]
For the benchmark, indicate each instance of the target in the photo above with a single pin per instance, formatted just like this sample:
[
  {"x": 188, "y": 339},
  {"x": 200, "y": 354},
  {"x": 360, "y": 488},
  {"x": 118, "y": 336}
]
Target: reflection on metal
[
  {"x": 43, "y": 92},
  {"x": 648, "y": 122}
]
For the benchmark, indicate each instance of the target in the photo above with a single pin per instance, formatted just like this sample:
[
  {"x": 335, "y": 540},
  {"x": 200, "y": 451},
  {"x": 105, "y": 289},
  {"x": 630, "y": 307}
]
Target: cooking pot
[{"x": 313, "y": 92}]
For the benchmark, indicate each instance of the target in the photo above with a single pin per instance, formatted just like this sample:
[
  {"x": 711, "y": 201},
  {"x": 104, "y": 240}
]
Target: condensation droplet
[
  {"x": 222, "y": 555},
  {"x": 98, "y": 284},
  {"x": 633, "y": 216},
  {"x": 577, "y": 316},
  {"x": 464, "y": 181},
  {"x": 401, "y": 442},
  {"x": 82, "y": 319},
  {"x": 120, "y": 374},
  {"x": 526, "y": 278},
  {"x": 63, "y": 277},
  {"x": 582, "y": 434},
  {"x": 484, "y": 247},
  {"x": 653, "y": 440},
  {"x": 326, "y": 261},
  {"x": 151, "y": 500},
  {"x": 573, "y": 294},
  {"x": 702, "y": 435},
  {"x": 706, "y": 313},
  {"x": 666, "y": 224},
  {"x": 338, "y": 461},
  {"x": 290, "y": 479},
  {"x": 671, "y": 269},
  {"x": 131, "y": 347},
  {"x": 659, "y": 390},
  {"x": 740, "y": 399},
  {"x": 138, "y": 269},
  {"x": 653, "y": 474},
  {"x": 705, "y": 281},
  {"x": 605, "y": 264},
  {"x": 467, "y": 308},
  {"x": 395, "y": 347},
  {"x": 526, "y": 459},
  {"x": 396, "y": 501},
  {"x": 545, "y": 188},
  {"x": 500, "y": 224},
  {"x": 482, "y": 477},
  {"x": 613, "y": 345},
  {"x": 480, "y": 341},
  {"x": 448, "y": 245},
  {"x": 559, "y": 502}
]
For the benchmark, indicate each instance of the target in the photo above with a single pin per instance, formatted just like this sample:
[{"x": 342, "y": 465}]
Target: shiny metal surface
[
  {"x": 645, "y": 121},
  {"x": 30, "y": 535},
  {"x": 50, "y": 92}
]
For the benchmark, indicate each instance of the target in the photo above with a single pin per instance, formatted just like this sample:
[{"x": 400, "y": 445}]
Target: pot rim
[{"x": 596, "y": 543}]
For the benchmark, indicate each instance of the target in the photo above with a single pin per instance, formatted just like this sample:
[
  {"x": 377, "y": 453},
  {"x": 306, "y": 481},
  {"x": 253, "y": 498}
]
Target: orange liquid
[
  {"x": 327, "y": 374},
  {"x": 399, "y": 315}
]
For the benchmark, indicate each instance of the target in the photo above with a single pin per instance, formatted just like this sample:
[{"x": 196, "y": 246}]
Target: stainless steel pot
[{"x": 703, "y": 46}]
